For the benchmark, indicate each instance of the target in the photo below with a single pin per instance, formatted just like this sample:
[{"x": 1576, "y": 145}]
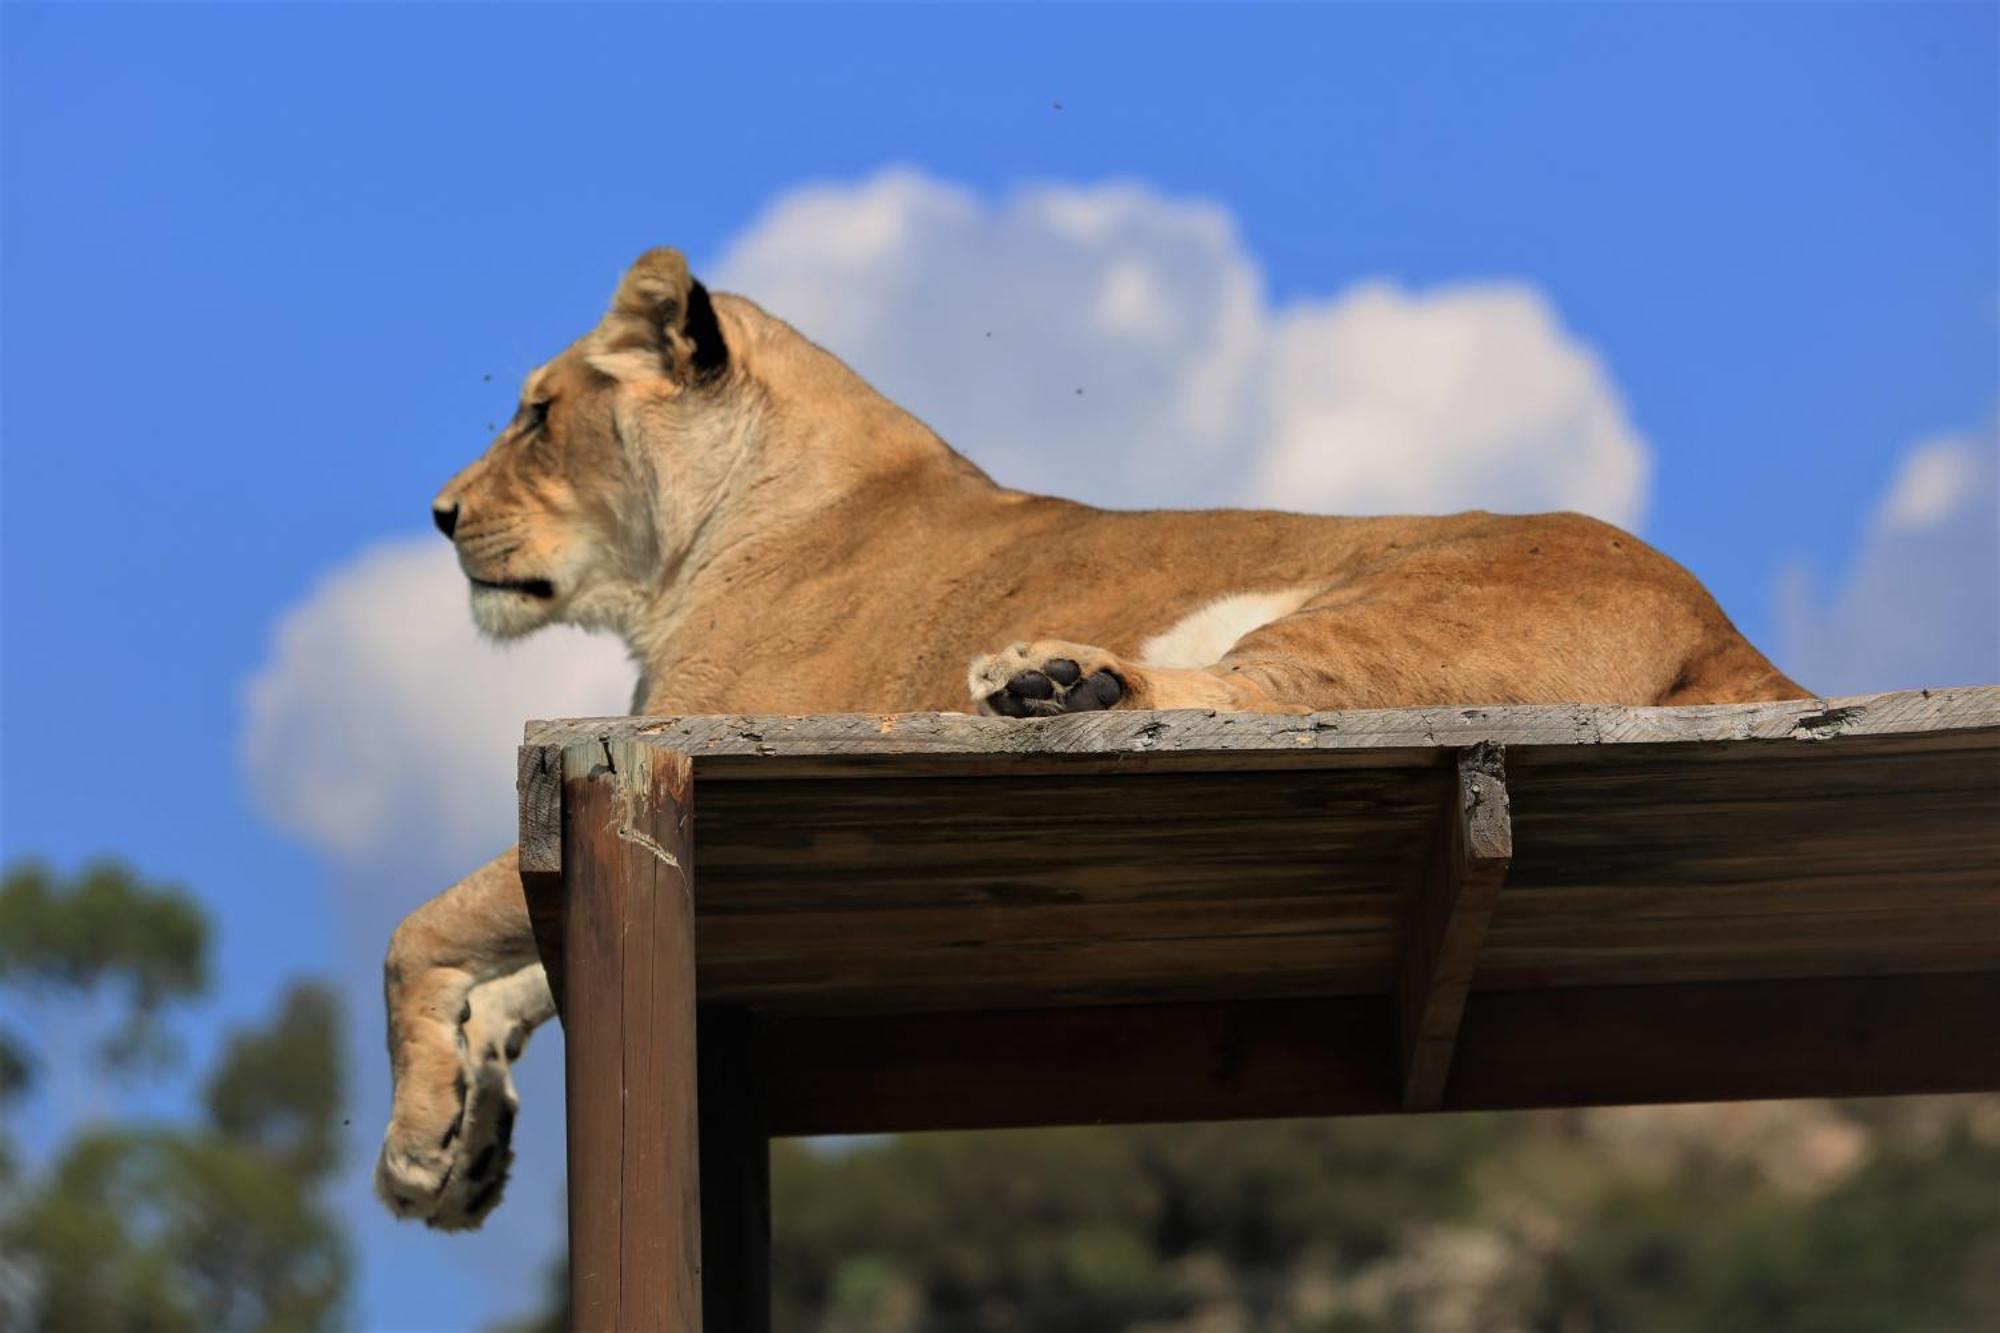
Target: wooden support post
[
  {"x": 1447, "y": 921},
  {"x": 735, "y": 1174},
  {"x": 629, "y": 995},
  {"x": 538, "y": 784}
]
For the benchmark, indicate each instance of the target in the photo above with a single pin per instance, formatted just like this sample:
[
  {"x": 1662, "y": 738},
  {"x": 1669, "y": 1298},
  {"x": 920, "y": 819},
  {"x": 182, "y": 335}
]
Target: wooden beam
[
  {"x": 735, "y": 1174},
  {"x": 1731, "y": 844},
  {"x": 1447, "y": 920},
  {"x": 628, "y": 932},
  {"x": 1582, "y": 1046},
  {"x": 883, "y": 744}
]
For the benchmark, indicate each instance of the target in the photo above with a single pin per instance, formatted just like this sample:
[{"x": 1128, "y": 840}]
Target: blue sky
[{"x": 258, "y": 264}]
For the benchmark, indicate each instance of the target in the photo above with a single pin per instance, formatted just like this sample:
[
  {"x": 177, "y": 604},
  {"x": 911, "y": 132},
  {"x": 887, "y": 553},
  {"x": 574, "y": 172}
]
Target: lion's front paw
[
  {"x": 1047, "y": 678},
  {"x": 452, "y": 1178},
  {"x": 446, "y": 1156}
]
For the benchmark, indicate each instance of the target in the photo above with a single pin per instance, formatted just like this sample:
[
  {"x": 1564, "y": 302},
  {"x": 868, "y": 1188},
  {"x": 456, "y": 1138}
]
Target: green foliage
[
  {"x": 104, "y": 929},
  {"x": 217, "y": 1225},
  {"x": 1910, "y": 1242},
  {"x": 177, "y": 1230},
  {"x": 15, "y": 1070},
  {"x": 1085, "y": 1230},
  {"x": 1502, "y": 1222},
  {"x": 276, "y": 1089}
]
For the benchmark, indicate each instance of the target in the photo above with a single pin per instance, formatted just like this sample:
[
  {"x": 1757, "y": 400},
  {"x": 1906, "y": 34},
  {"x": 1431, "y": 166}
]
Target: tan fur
[{"x": 777, "y": 537}]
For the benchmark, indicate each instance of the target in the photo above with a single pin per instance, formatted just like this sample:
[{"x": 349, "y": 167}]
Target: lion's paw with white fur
[{"x": 449, "y": 1147}]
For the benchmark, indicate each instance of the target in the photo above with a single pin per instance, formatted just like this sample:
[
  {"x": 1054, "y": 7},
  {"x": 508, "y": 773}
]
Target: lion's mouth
[{"x": 539, "y": 588}]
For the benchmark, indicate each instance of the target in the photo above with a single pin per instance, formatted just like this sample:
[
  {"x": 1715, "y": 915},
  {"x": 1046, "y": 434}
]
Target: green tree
[
  {"x": 1087, "y": 1230},
  {"x": 1504, "y": 1222},
  {"x": 102, "y": 931},
  {"x": 1910, "y": 1241},
  {"x": 216, "y": 1225}
]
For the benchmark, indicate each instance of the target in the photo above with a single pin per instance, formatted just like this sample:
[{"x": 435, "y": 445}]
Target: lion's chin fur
[{"x": 503, "y": 614}]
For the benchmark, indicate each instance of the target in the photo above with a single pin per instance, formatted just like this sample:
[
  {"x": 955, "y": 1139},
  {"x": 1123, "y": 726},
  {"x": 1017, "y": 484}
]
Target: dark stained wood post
[
  {"x": 735, "y": 1174},
  {"x": 1447, "y": 921},
  {"x": 629, "y": 1024}
]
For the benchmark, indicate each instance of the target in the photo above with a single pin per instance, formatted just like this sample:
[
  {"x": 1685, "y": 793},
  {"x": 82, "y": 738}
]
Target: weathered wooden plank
[
  {"x": 735, "y": 1174},
  {"x": 837, "y": 931},
  {"x": 1007, "y": 841},
  {"x": 628, "y": 931},
  {"x": 1084, "y": 972},
  {"x": 1449, "y": 910},
  {"x": 538, "y": 787},
  {"x": 1757, "y": 905},
  {"x": 1741, "y": 937},
  {"x": 1660, "y": 862},
  {"x": 1608, "y": 1045},
  {"x": 1147, "y": 734}
]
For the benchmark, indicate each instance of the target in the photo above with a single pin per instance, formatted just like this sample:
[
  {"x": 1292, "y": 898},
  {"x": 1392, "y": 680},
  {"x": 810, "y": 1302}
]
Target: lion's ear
[{"x": 662, "y": 321}]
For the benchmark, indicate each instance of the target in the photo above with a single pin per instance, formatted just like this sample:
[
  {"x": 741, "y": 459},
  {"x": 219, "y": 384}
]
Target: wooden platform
[{"x": 927, "y": 921}]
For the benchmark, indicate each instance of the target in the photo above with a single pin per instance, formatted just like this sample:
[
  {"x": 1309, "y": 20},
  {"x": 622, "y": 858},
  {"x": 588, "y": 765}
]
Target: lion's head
[{"x": 587, "y": 495}]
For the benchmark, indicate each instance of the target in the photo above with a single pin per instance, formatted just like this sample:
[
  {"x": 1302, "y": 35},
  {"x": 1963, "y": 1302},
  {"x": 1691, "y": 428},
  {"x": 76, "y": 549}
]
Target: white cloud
[
  {"x": 1110, "y": 343},
  {"x": 382, "y": 728},
  {"x": 1092, "y": 342},
  {"x": 1470, "y": 396},
  {"x": 1937, "y": 478},
  {"x": 1921, "y": 604}
]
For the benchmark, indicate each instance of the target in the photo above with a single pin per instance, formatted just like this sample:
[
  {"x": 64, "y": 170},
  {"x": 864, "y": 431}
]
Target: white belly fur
[{"x": 1200, "y": 638}]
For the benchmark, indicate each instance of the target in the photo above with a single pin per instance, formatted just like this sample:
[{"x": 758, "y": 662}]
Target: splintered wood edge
[
  {"x": 538, "y": 784},
  {"x": 1132, "y": 732}
]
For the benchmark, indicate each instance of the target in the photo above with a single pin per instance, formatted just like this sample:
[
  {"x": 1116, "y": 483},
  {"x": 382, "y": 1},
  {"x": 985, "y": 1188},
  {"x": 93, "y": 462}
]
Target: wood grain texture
[
  {"x": 953, "y": 737},
  {"x": 538, "y": 788},
  {"x": 628, "y": 936},
  {"x": 878, "y": 865},
  {"x": 1448, "y": 913}
]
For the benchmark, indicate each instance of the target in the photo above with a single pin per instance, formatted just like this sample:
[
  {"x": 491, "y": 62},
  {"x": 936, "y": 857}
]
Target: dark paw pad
[
  {"x": 482, "y": 1202},
  {"x": 1058, "y": 687}
]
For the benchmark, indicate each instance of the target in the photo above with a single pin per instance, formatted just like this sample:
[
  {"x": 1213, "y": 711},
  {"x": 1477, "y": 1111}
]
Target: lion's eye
[{"x": 538, "y": 414}]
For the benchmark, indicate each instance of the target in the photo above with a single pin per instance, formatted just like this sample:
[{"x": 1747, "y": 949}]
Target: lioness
[{"x": 769, "y": 534}]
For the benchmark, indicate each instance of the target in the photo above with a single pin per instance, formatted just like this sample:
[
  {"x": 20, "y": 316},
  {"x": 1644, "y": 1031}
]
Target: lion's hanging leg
[
  {"x": 501, "y": 1014},
  {"x": 463, "y": 991}
]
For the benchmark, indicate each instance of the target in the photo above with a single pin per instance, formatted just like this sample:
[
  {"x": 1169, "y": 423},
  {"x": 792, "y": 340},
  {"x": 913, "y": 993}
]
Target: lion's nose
[{"x": 446, "y": 517}]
